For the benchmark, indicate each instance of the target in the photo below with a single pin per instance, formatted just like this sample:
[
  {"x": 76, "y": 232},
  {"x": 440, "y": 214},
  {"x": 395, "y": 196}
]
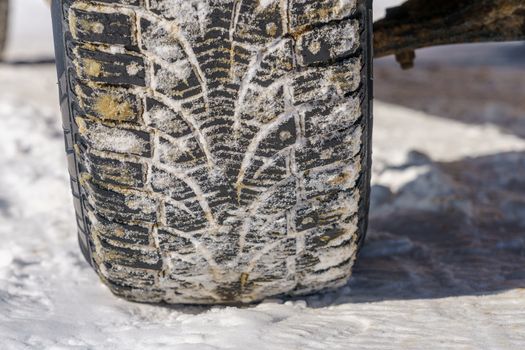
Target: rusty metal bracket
[{"x": 422, "y": 23}]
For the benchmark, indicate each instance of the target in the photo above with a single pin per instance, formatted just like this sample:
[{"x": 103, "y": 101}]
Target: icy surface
[{"x": 442, "y": 267}]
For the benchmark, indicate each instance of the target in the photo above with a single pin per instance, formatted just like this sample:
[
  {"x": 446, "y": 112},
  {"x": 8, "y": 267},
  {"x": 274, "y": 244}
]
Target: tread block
[
  {"x": 328, "y": 210},
  {"x": 175, "y": 243},
  {"x": 304, "y": 13},
  {"x": 266, "y": 172},
  {"x": 178, "y": 84},
  {"x": 121, "y": 286},
  {"x": 104, "y": 26},
  {"x": 259, "y": 22},
  {"x": 130, "y": 256},
  {"x": 316, "y": 84},
  {"x": 109, "y": 104},
  {"x": 283, "y": 136},
  {"x": 339, "y": 178},
  {"x": 116, "y": 172},
  {"x": 109, "y": 68},
  {"x": 263, "y": 232},
  {"x": 181, "y": 153},
  {"x": 166, "y": 119},
  {"x": 329, "y": 116},
  {"x": 334, "y": 249},
  {"x": 183, "y": 269},
  {"x": 125, "y": 206},
  {"x": 171, "y": 9},
  {"x": 263, "y": 107},
  {"x": 281, "y": 198},
  {"x": 162, "y": 43},
  {"x": 223, "y": 243},
  {"x": 189, "y": 219},
  {"x": 119, "y": 276},
  {"x": 128, "y": 234},
  {"x": 123, "y": 2},
  {"x": 274, "y": 266},
  {"x": 276, "y": 65},
  {"x": 170, "y": 185},
  {"x": 328, "y": 43},
  {"x": 112, "y": 139},
  {"x": 172, "y": 242},
  {"x": 329, "y": 149}
]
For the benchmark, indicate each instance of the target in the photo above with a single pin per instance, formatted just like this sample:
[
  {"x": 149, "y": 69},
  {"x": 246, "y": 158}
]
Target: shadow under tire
[{"x": 219, "y": 150}]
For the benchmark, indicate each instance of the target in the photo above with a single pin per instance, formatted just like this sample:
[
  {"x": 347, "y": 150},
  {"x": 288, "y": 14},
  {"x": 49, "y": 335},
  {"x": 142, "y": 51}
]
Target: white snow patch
[
  {"x": 115, "y": 140},
  {"x": 192, "y": 16},
  {"x": 263, "y": 4},
  {"x": 133, "y": 68},
  {"x": 441, "y": 139}
]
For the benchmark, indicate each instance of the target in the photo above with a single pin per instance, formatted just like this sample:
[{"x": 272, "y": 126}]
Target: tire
[
  {"x": 4, "y": 17},
  {"x": 219, "y": 150}
]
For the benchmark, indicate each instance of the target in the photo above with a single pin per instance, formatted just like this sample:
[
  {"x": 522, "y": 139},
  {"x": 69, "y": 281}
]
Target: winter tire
[{"x": 219, "y": 150}]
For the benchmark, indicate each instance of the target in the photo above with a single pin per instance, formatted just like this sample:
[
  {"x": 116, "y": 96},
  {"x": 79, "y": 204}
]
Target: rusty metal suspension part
[{"x": 422, "y": 23}]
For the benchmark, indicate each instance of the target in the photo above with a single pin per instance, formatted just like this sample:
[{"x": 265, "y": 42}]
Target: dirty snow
[{"x": 442, "y": 268}]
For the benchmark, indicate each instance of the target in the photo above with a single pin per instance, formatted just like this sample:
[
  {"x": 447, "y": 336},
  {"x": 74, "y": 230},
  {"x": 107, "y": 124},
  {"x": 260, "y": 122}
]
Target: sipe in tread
[{"x": 218, "y": 149}]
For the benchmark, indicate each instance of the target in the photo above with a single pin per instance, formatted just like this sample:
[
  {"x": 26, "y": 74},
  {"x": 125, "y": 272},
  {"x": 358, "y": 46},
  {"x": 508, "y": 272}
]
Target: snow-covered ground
[{"x": 443, "y": 266}]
